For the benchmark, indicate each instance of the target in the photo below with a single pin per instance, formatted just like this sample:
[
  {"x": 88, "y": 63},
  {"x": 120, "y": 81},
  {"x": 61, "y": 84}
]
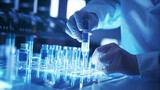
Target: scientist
[{"x": 139, "y": 21}]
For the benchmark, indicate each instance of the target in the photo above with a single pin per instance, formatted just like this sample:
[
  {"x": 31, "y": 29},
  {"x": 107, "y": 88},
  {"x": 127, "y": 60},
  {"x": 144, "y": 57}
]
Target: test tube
[
  {"x": 30, "y": 41},
  {"x": 81, "y": 82},
  {"x": 35, "y": 61},
  {"x": 85, "y": 41},
  {"x": 53, "y": 78},
  {"x": 74, "y": 59},
  {"x": 28, "y": 76},
  {"x": 73, "y": 79},
  {"x": 79, "y": 59},
  {"x": 57, "y": 52},
  {"x": 69, "y": 58},
  {"x": 50, "y": 55},
  {"x": 8, "y": 39},
  {"x": 43, "y": 55},
  {"x": 65, "y": 56},
  {"x": 53, "y": 57},
  {"x": 58, "y": 56},
  {"x": 13, "y": 40},
  {"x": 44, "y": 51}
]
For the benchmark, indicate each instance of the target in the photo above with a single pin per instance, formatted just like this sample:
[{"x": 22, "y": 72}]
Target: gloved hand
[
  {"x": 75, "y": 22},
  {"x": 119, "y": 60}
]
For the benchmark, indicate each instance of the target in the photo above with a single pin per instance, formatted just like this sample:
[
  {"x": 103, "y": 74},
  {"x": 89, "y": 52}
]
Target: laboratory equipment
[
  {"x": 57, "y": 73},
  {"x": 43, "y": 56},
  {"x": 56, "y": 66},
  {"x": 7, "y": 60},
  {"x": 35, "y": 60},
  {"x": 44, "y": 51},
  {"x": 29, "y": 41},
  {"x": 23, "y": 56},
  {"x": 8, "y": 39},
  {"x": 13, "y": 36},
  {"x": 85, "y": 35},
  {"x": 57, "y": 58},
  {"x": 50, "y": 56},
  {"x": 85, "y": 41}
]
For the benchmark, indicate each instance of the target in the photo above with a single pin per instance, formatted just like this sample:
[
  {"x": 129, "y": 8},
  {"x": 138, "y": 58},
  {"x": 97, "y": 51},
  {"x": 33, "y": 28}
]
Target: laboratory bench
[
  {"x": 128, "y": 83},
  {"x": 28, "y": 80}
]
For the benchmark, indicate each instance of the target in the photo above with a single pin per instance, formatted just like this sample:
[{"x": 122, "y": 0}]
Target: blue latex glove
[
  {"x": 75, "y": 22},
  {"x": 119, "y": 60}
]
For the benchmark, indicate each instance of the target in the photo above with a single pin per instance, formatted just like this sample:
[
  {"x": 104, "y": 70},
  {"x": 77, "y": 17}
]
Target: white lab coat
[{"x": 140, "y": 28}]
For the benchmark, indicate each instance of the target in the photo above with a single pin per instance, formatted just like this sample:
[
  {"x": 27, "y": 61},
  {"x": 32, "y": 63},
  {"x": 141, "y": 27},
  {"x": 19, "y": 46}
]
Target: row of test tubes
[
  {"x": 64, "y": 59},
  {"x": 60, "y": 59},
  {"x": 55, "y": 61}
]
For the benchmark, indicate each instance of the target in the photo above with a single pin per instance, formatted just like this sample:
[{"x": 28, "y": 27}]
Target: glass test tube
[
  {"x": 79, "y": 59},
  {"x": 65, "y": 57},
  {"x": 13, "y": 39},
  {"x": 69, "y": 58},
  {"x": 50, "y": 55},
  {"x": 30, "y": 41},
  {"x": 43, "y": 55},
  {"x": 85, "y": 42},
  {"x": 53, "y": 62},
  {"x": 57, "y": 52},
  {"x": 58, "y": 56},
  {"x": 8, "y": 39},
  {"x": 74, "y": 59}
]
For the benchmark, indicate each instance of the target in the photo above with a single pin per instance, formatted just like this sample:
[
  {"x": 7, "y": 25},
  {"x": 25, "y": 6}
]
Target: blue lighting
[
  {"x": 73, "y": 6},
  {"x": 54, "y": 8}
]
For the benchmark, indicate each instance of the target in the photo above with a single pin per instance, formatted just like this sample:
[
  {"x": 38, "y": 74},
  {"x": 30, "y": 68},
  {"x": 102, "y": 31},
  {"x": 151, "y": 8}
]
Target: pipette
[{"x": 85, "y": 41}]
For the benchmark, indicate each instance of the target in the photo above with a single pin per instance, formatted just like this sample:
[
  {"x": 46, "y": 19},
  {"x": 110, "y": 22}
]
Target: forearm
[{"x": 108, "y": 12}]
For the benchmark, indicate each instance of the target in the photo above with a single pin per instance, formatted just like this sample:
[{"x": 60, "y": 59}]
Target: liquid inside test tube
[
  {"x": 43, "y": 55},
  {"x": 23, "y": 56},
  {"x": 85, "y": 42}
]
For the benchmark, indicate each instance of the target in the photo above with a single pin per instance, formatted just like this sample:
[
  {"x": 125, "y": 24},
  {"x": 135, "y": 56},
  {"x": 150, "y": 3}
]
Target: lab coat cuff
[{"x": 149, "y": 65}]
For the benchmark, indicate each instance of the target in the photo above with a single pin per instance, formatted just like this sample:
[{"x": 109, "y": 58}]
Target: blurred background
[{"x": 45, "y": 20}]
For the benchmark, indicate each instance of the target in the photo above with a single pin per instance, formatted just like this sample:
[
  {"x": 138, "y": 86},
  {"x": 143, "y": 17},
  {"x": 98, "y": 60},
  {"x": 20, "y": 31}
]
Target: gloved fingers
[
  {"x": 95, "y": 56},
  {"x": 105, "y": 48},
  {"x": 108, "y": 70},
  {"x": 71, "y": 24},
  {"x": 69, "y": 33},
  {"x": 100, "y": 51},
  {"x": 93, "y": 21},
  {"x": 109, "y": 56},
  {"x": 114, "y": 66},
  {"x": 79, "y": 17},
  {"x": 83, "y": 14},
  {"x": 107, "y": 60},
  {"x": 99, "y": 66}
]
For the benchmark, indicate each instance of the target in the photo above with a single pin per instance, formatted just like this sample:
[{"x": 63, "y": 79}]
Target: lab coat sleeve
[
  {"x": 149, "y": 64},
  {"x": 108, "y": 12}
]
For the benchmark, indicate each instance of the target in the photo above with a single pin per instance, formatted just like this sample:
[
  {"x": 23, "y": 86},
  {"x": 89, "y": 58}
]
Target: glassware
[
  {"x": 7, "y": 64},
  {"x": 43, "y": 56},
  {"x": 23, "y": 56},
  {"x": 30, "y": 41},
  {"x": 50, "y": 56}
]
